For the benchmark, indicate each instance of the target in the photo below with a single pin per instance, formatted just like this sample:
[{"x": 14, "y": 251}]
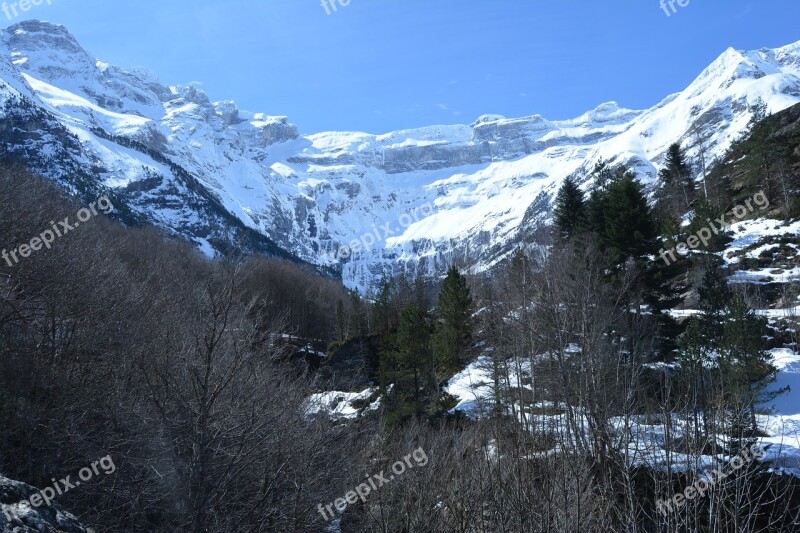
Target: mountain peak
[
  {"x": 311, "y": 194},
  {"x": 48, "y": 50},
  {"x": 38, "y": 34}
]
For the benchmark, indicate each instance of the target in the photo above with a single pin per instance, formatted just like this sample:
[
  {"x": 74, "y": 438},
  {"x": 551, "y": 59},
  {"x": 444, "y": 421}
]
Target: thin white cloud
[{"x": 445, "y": 107}]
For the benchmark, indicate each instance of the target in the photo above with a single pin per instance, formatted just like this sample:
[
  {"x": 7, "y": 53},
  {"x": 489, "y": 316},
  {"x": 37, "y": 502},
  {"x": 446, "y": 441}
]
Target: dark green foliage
[
  {"x": 454, "y": 329},
  {"x": 341, "y": 321},
  {"x": 618, "y": 213},
  {"x": 382, "y": 307},
  {"x": 706, "y": 216},
  {"x": 597, "y": 205},
  {"x": 760, "y": 112},
  {"x": 767, "y": 159},
  {"x": 724, "y": 373},
  {"x": 408, "y": 376},
  {"x": 746, "y": 367},
  {"x": 569, "y": 209},
  {"x": 714, "y": 297},
  {"x": 676, "y": 169},
  {"x": 676, "y": 188},
  {"x": 358, "y": 326},
  {"x": 621, "y": 221},
  {"x": 629, "y": 228}
]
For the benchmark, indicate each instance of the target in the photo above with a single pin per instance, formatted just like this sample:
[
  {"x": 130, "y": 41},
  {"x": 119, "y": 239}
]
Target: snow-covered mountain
[{"x": 417, "y": 198}]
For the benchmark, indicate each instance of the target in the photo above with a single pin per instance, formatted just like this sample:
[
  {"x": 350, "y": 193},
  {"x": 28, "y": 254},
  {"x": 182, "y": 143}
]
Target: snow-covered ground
[
  {"x": 339, "y": 405},
  {"x": 783, "y": 427},
  {"x": 474, "y": 390},
  {"x": 752, "y": 232}
]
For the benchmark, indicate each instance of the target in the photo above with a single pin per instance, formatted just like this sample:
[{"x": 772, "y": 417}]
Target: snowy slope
[
  {"x": 644, "y": 440},
  {"x": 480, "y": 185}
]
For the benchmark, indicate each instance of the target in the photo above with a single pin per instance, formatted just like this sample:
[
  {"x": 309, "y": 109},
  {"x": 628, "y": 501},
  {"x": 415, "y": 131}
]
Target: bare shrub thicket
[
  {"x": 121, "y": 342},
  {"x": 572, "y": 364}
]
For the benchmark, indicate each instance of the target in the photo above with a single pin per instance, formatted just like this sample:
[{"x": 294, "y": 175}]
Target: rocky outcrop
[
  {"x": 276, "y": 129},
  {"x": 18, "y": 515}
]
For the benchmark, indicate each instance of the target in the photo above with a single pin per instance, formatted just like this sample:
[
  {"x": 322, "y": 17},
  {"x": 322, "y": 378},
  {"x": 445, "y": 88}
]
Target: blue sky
[{"x": 380, "y": 65}]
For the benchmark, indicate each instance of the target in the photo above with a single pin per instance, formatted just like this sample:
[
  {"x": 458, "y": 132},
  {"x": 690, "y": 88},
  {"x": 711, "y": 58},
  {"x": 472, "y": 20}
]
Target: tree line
[{"x": 127, "y": 342}]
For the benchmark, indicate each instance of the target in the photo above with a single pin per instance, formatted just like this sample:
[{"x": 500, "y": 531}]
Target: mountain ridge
[{"x": 491, "y": 181}]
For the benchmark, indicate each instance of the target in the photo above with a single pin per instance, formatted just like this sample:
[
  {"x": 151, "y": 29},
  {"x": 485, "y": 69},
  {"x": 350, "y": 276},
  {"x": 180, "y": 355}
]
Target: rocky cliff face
[
  {"x": 206, "y": 170},
  {"x": 17, "y": 515}
]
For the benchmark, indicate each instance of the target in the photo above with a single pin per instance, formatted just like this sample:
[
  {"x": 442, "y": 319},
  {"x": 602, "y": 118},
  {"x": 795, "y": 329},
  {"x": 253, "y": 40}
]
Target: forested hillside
[{"x": 585, "y": 384}]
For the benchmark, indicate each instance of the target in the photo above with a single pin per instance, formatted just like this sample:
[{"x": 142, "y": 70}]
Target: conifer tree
[
  {"x": 676, "y": 192},
  {"x": 569, "y": 209},
  {"x": 760, "y": 111},
  {"x": 705, "y": 214},
  {"x": 746, "y": 368},
  {"x": 382, "y": 306},
  {"x": 629, "y": 226},
  {"x": 358, "y": 316},
  {"x": 454, "y": 330},
  {"x": 621, "y": 219},
  {"x": 597, "y": 205},
  {"x": 407, "y": 367},
  {"x": 714, "y": 298},
  {"x": 676, "y": 169},
  {"x": 341, "y": 321}
]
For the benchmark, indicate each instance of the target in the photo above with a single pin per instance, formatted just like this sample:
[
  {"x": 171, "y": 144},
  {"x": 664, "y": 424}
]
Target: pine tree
[
  {"x": 596, "y": 209},
  {"x": 620, "y": 217},
  {"x": 382, "y": 306},
  {"x": 676, "y": 169},
  {"x": 629, "y": 226},
  {"x": 746, "y": 368},
  {"x": 407, "y": 367},
  {"x": 358, "y": 316},
  {"x": 454, "y": 330},
  {"x": 569, "y": 209},
  {"x": 341, "y": 321},
  {"x": 760, "y": 111},
  {"x": 705, "y": 214},
  {"x": 603, "y": 174},
  {"x": 714, "y": 298},
  {"x": 676, "y": 193},
  {"x": 597, "y": 205}
]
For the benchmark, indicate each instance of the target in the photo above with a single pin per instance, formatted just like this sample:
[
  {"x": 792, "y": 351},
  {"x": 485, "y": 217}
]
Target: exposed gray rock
[
  {"x": 17, "y": 515},
  {"x": 210, "y": 172}
]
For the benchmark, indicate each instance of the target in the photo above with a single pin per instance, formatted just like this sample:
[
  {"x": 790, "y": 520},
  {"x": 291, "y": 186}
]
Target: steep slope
[
  {"x": 99, "y": 146},
  {"x": 766, "y": 252},
  {"x": 416, "y": 198}
]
